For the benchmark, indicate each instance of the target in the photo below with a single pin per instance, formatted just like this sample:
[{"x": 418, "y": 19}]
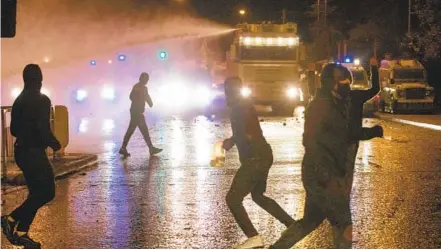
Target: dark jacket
[
  {"x": 357, "y": 101},
  {"x": 139, "y": 96},
  {"x": 326, "y": 137},
  {"x": 247, "y": 133},
  {"x": 30, "y": 120}
]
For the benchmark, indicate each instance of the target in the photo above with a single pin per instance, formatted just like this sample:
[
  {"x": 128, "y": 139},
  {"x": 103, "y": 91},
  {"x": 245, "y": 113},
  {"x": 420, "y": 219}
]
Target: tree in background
[
  {"x": 366, "y": 38},
  {"x": 323, "y": 30},
  {"x": 379, "y": 27},
  {"x": 429, "y": 34},
  {"x": 428, "y": 38}
]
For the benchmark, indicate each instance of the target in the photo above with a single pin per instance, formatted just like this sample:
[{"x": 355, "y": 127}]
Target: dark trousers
[
  {"x": 137, "y": 120},
  {"x": 252, "y": 178},
  {"x": 320, "y": 204},
  {"x": 39, "y": 177}
]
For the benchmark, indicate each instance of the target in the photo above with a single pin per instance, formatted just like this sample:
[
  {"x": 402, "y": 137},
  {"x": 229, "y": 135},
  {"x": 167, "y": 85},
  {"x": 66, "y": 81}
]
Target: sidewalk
[{"x": 69, "y": 164}]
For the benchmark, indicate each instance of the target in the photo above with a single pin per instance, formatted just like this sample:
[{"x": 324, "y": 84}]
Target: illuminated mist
[
  {"x": 59, "y": 31},
  {"x": 62, "y": 36}
]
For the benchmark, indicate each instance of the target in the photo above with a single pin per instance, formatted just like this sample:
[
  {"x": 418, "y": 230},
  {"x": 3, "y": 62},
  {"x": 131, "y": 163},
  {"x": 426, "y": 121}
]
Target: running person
[
  {"x": 30, "y": 126},
  {"x": 256, "y": 158}
]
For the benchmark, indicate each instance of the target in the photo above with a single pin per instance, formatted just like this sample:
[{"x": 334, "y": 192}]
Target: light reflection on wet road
[{"x": 177, "y": 200}]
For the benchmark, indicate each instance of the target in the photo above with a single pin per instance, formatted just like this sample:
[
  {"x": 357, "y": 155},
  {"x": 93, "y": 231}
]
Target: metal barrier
[
  {"x": 5, "y": 140},
  {"x": 59, "y": 126}
]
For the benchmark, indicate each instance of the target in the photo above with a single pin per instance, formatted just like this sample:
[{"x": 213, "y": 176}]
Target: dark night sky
[{"x": 349, "y": 12}]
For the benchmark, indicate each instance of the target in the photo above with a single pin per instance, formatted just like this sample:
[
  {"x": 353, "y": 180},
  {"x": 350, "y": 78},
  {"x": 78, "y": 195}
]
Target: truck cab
[
  {"x": 266, "y": 57},
  {"x": 404, "y": 87}
]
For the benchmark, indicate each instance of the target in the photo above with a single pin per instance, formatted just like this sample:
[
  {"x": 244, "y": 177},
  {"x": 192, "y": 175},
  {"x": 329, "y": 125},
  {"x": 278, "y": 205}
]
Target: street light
[{"x": 242, "y": 12}]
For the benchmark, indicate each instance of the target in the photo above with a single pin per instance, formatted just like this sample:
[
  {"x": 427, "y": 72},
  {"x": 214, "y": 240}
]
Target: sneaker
[
  {"x": 123, "y": 151},
  {"x": 251, "y": 243},
  {"x": 8, "y": 228},
  {"x": 154, "y": 151},
  {"x": 27, "y": 242}
]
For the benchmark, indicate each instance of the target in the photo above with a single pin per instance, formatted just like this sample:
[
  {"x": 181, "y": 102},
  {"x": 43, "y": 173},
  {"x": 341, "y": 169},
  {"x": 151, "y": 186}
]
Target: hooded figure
[
  {"x": 256, "y": 158},
  {"x": 326, "y": 140},
  {"x": 30, "y": 125}
]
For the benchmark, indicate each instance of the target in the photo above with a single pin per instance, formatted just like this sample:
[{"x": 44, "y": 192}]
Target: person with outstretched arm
[{"x": 358, "y": 132}]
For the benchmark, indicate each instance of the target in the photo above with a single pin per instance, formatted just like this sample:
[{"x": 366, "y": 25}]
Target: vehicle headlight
[
  {"x": 81, "y": 95},
  {"x": 108, "y": 93},
  {"x": 245, "y": 91},
  {"x": 292, "y": 92}
]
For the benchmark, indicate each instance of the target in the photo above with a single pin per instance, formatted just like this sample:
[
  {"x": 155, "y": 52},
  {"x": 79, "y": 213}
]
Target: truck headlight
[
  {"x": 292, "y": 92},
  {"x": 245, "y": 92}
]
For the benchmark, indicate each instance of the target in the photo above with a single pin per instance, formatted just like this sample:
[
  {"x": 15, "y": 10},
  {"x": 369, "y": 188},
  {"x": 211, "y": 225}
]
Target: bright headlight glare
[
  {"x": 203, "y": 96},
  {"x": 108, "y": 93},
  {"x": 81, "y": 95},
  {"x": 245, "y": 91},
  {"x": 292, "y": 92}
]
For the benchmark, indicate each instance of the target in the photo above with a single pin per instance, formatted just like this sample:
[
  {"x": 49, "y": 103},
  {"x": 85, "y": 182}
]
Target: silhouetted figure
[
  {"x": 256, "y": 159},
  {"x": 139, "y": 96},
  {"x": 30, "y": 124},
  {"x": 332, "y": 126},
  {"x": 326, "y": 140}
]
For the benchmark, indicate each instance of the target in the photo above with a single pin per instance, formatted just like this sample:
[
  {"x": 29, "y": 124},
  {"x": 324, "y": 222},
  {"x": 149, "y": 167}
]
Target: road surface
[{"x": 177, "y": 200}]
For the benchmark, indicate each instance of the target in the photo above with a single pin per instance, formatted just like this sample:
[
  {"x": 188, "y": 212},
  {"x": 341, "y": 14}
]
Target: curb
[{"x": 60, "y": 172}]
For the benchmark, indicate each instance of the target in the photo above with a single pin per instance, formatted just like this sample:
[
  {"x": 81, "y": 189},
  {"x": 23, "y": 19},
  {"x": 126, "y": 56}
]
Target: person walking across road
[{"x": 139, "y": 96}]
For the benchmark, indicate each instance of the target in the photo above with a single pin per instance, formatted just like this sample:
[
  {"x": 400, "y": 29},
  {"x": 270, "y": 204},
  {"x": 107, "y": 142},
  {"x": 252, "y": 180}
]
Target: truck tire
[
  {"x": 393, "y": 107},
  {"x": 382, "y": 106}
]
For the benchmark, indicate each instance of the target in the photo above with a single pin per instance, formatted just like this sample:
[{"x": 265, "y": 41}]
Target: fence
[{"x": 59, "y": 125}]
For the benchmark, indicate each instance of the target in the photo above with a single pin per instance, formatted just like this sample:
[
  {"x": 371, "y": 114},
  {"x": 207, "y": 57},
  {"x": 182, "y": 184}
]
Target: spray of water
[
  {"x": 60, "y": 31},
  {"x": 63, "y": 35}
]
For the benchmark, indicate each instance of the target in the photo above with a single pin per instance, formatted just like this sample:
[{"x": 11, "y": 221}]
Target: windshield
[
  {"x": 268, "y": 53},
  {"x": 409, "y": 74},
  {"x": 359, "y": 79},
  {"x": 359, "y": 76}
]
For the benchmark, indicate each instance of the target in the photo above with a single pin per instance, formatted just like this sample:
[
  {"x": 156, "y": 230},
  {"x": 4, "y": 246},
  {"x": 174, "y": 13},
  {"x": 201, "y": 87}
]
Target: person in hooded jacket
[
  {"x": 30, "y": 125},
  {"x": 256, "y": 158},
  {"x": 331, "y": 129}
]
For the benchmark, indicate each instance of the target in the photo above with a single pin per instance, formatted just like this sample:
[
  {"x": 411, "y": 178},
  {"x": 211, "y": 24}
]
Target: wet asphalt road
[{"x": 177, "y": 200}]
